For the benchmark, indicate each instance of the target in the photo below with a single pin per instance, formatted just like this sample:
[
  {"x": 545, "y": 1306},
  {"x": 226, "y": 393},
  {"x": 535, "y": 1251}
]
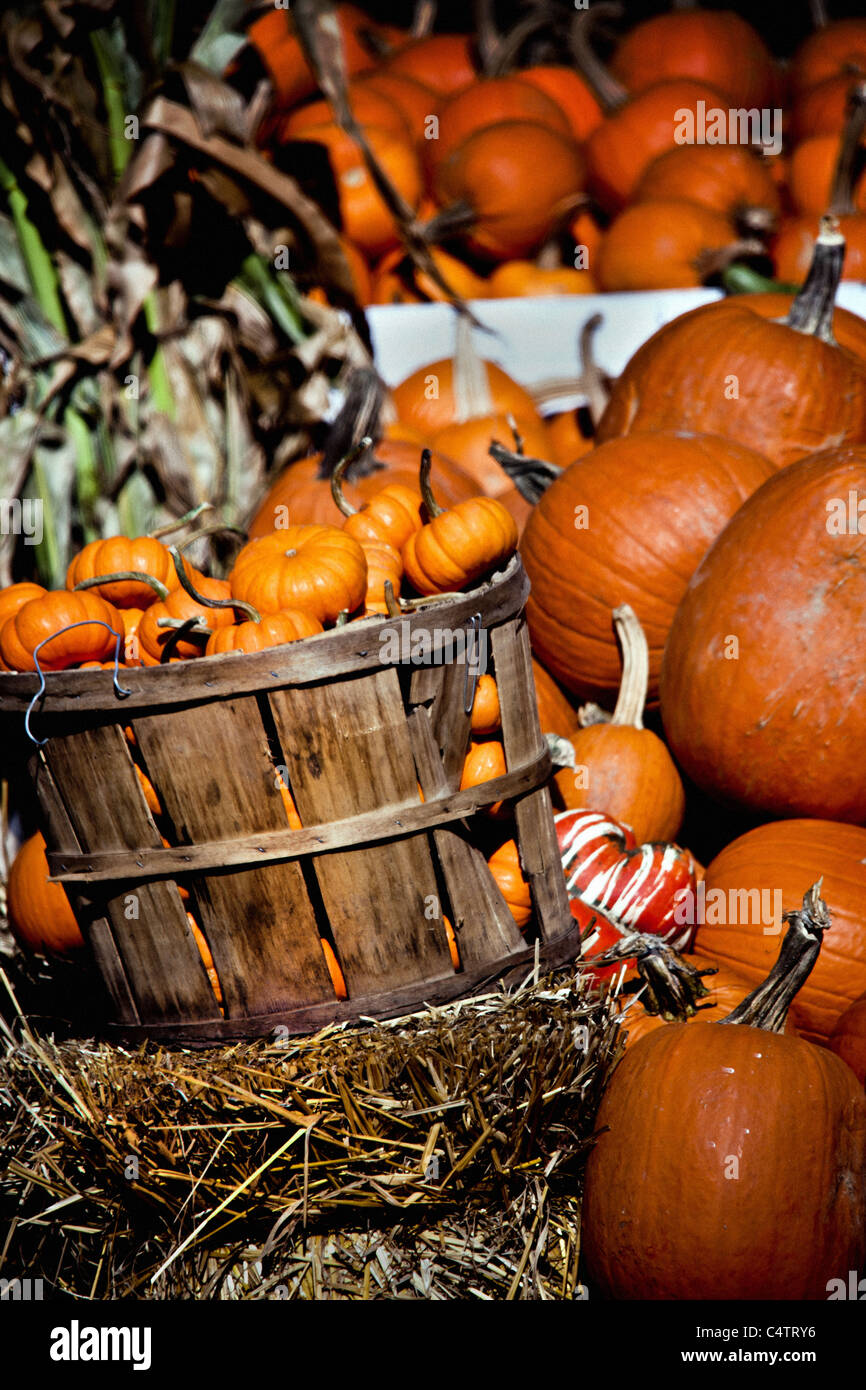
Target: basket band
[{"x": 249, "y": 851}]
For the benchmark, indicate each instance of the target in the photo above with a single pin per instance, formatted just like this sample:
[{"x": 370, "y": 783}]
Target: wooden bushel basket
[{"x": 374, "y": 869}]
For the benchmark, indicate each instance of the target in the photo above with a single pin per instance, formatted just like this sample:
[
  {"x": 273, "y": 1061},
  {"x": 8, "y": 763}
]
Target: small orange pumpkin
[
  {"x": 120, "y": 555},
  {"x": 504, "y": 865},
  {"x": 319, "y": 569},
  {"x": 53, "y": 615},
  {"x": 457, "y": 546},
  {"x": 486, "y": 715}
]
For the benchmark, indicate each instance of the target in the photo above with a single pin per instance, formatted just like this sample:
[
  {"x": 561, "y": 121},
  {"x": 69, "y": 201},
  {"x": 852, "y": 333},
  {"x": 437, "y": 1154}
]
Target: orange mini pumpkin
[
  {"x": 319, "y": 569},
  {"x": 39, "y": 913},
  {"x": 459, "y": 545}
]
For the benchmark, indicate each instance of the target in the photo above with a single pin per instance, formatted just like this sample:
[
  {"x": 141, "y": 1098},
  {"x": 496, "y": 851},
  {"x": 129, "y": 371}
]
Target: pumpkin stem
[
  {"x": 767, "y": 1006},
  {"x": 594, "y": 382},
  {"x": 518, "y": 437},
  {"x": 433, "y": 508},
  {"x": 472, "y": 395},
  {"x": 337, "y": 476},
  {"x": 611, "y": 93},
  {"x": 634, "y": 681},
  {"x": 532, "y": 477},
  {"x": 670, "y": 986},
  {"x": 186, "y": 583},
  {"x": 591, "y": 713},
  {"x": 712, "y": 260},
  {"x": 842, "y": 191},
  {"x": 181, "y": 522},
  {"x": 813, "y": 308},
  {"x": 128, "y": 576},
  {"x": 391, "y": 603}
]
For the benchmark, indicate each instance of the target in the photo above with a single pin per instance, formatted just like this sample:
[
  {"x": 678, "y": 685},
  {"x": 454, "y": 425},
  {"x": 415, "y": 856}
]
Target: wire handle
[
  {"x": 476, "y": 665},
  {"x": 84, "y": 622}
]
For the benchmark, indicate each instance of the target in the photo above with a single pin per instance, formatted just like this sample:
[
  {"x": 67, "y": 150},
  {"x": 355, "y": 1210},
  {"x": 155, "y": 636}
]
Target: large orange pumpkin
[
  {"x": 760, "y": 687},
  {"x": 730, "y": 1163},
  {"x": 39, "y": 913},
  {"x": 776, "y": 859},
  {"x": 627, "y": 523},
  {"x": 784, "y": 390}
]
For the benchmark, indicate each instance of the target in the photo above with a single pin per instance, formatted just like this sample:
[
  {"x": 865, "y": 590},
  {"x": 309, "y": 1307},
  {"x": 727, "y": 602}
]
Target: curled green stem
[{"x": 251, "y": 613}]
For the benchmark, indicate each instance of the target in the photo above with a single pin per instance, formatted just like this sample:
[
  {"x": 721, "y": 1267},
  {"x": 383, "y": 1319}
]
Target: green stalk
[
  {"x": 86, "y": 473},
  {"x": 115, "y": 105},
  {"x": 40, "y": 267},
  {"x": 47, "y": 556},
  {"x": 163, "y": 396},
  {"x": 163, "y": 31},
  {"x": 272, "y": 295}
]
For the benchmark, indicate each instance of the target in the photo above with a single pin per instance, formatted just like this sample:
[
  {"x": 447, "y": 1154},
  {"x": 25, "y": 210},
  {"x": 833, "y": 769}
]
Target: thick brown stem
[
  {"x": 532, "y": 477},
  {"x": 767, "y": 1006},
  {"x": 124, "y": 576},
  {"x": 713, "y": 260},
  {"x": 670, "y": 987},
  {"x": 337, "y": 476},
  {"x": 634, "y": 681},
  {"x": 433, "y": 508},
  {"x": 186, "y": 583},
  {"x": 842, "y": 191},
  {"x": 813, "y": 308},
  {"x": 610, "y": 93},
  {"x": 594, "y": 383}
]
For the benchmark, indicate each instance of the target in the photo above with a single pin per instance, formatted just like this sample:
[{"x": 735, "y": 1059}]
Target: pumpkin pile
[{"x": 658, "y": 170}]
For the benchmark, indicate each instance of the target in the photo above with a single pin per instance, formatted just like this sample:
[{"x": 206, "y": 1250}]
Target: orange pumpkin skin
[
  {"x": 272, "y": 35},
  {"x": 790, "y": 696},
  {"x": 443, "y": 62},
  {"x": 459, "y": 546},
  {"x": 570, "y": 92},
  {"x": 556, "y": 713},
  {"x": 821, "y": 109},
  {"x": 13, "y": 597},
  {"x": 488, "y": 102},
  {"x": 391, "y": 517},
  {"x": 120, "y": 553},
  {"x": 397, "y": 281},
  {"x": 366, "y": 220},
  {"x": 319, "y": 569},
  {"x": 779, "y": 857},
  {"x": 660, "y": 245},
  {"x": 848, "y": 1039},
  {"x": 383, "y": 564},
  {"x": 153, "y": 639},
  {"x": 655, "y": 502},
  {"x": 630, "y": 776},
  {"x": 519, "y": 279},
  {"x": 504, "y": 865},
  {"x": 300, "y": 496},
  {"x": 426, "y": 399},
  {"x": 409, "y": 96},
  {"x": 369, "y": 107},
  {"x": 485, "y": 706},
  {"x": 849, "y": 329},
  {"x": 484, "y": 762},
  {"x": 726, "y": 988},
  {"x": 468, "y": 443},
  {"x": 620, "y": 149},
  {"x": 727, "y": 179},
  {"x": 274, "y": 630},
  {"x": 682, "y": 1102},
  {"x": 837, "y": 49},
  {"x": 719, "y": 48},
  {"x": 676, "y": 380},
  {"x": 565, "y": 441},
  {"x": 792, "y": 247},
  {"x": 810, "y": 176},
  {"x": 55, "y": 610},
  {"x": 39, "y": 913},
  {"x": 517, "y": 176}
]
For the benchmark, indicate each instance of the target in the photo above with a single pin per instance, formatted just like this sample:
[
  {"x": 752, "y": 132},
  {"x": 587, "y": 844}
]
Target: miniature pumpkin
[
  {"x": 158, "y": 626},
  {"x": 488, "y": 102},
  {"x": 720, "y": 48},
  {"x": 459, "y": 545},
  {"x": 665, "y": 244},
  {"x": 39, "y": 913},
  {"x": 571, "y": 93},
  {"x": 484, "y": 762},
  {"x": 57, "y": 612},
  {"x": 120, "y": 554},
  {"x": 730, "y": 180},
  {"x": 443, "y": 62},
  {"x": 272, "y": 630},
  {"x": 486, "y": 717},
  {"x": 319, "y": 569},
  {"x": 517, "y": 178}
]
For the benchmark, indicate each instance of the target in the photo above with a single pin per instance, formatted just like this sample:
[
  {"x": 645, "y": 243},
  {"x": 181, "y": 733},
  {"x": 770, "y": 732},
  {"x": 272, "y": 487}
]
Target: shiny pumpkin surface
[
  {"x": 743, "y": 1145},
  {"x": 319, "y": 569},
  {"x": 787, "y": 735}
]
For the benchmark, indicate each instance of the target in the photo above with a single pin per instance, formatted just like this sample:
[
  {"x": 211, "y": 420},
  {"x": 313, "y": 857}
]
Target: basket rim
[{"x": 340, "y": 651}]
